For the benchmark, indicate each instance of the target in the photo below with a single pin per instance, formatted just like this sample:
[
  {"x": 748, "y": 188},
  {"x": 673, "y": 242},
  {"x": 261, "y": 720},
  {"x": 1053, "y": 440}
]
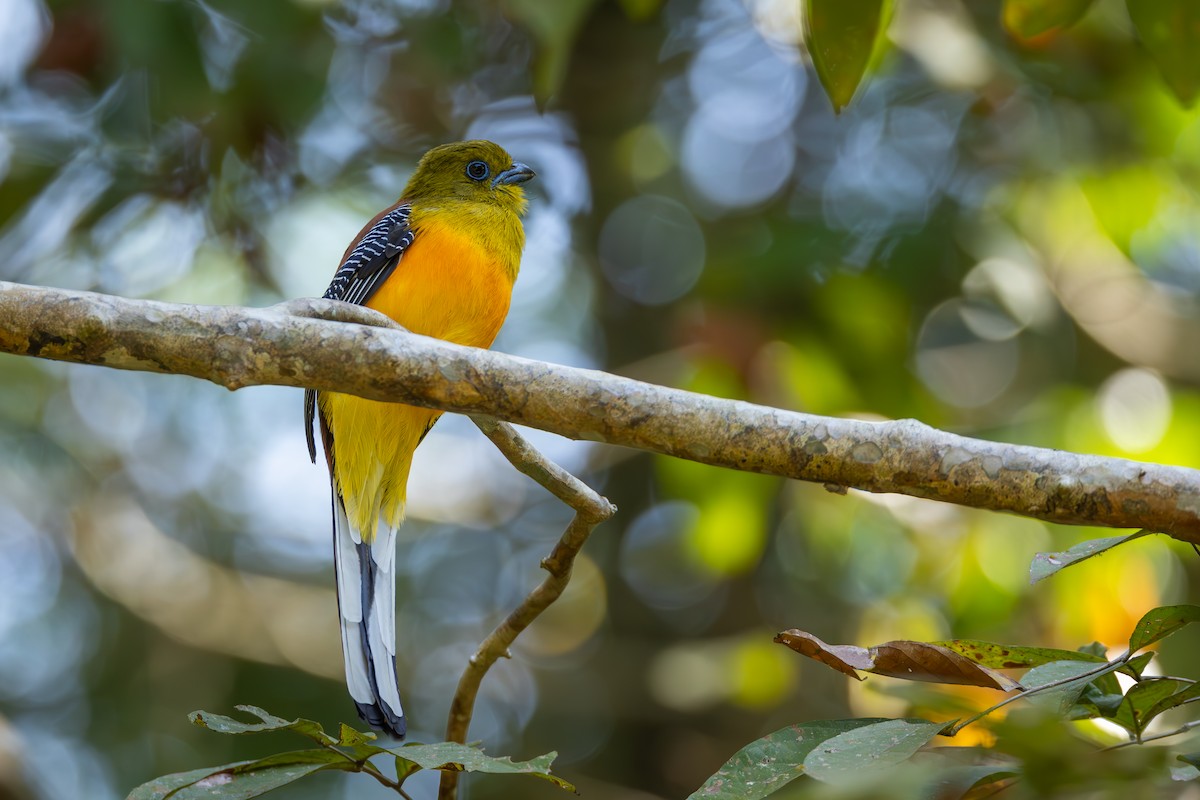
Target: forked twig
[{"x": 590, "y": 510}]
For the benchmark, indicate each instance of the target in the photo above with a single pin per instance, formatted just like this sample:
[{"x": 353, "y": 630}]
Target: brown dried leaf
[
  {"x": 921, "y": 661},
  {"x": 914, "y": 661},
  {"x": 844, "y": 658}
]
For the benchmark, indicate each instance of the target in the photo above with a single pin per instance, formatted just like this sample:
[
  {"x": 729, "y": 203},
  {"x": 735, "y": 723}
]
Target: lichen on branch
[{"x": 307, "y": 343}]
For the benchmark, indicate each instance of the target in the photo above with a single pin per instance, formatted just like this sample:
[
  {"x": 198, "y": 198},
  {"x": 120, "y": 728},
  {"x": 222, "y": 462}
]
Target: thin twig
[
  {"x": 1102, "y": 669},
  {"x": 1184, "y": 728},
  {"x": 365, "y": 766},
  {"x": 590, "y": 510},
  {"x": 1177, "y": 678},
  {"x": 373, "y": 771}
]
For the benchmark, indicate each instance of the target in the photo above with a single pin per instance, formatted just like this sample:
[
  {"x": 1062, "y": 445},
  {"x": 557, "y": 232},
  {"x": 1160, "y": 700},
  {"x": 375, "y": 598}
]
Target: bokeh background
[{"x": 998, "y": 238}]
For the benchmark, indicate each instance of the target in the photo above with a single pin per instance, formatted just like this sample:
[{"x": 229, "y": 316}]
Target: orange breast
[{"x": 447, "y": 286}]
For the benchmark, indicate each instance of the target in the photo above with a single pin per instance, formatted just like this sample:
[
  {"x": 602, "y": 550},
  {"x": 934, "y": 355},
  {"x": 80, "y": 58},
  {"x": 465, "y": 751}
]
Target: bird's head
[{"x": 477, "y": 171}]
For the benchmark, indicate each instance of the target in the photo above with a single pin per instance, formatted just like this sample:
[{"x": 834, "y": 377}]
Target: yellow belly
[{"x": 445, "y": 286}]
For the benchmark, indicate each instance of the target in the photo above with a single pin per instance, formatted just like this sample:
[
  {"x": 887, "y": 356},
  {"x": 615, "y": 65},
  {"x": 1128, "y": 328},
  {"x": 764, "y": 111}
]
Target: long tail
[{"x": 366, "y": 588}]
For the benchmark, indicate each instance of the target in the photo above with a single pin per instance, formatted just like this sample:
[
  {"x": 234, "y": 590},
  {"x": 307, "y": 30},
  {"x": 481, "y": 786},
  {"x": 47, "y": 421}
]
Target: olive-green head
[{"x": 476, "y": 171}]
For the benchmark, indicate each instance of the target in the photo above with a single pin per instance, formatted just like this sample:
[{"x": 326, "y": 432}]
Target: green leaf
[
  {"x": 1189, "y": 693},
  {"x": 1003, "y": 656},
  {"x": 222, "y": 724},
  {"x": 871, "y": 748},
  {"x": 1104, "y": 684},
  {"x": 405, "y": 768},
  {"x": 360, "y": 746},
  {"x": 841, "y": 36},
  {"x": 767, "y": 764},
  {"x": 1170, "y": 30},
  {"x": 163, "y": 786},
  {"x": 464, "y": 758},
  {"x": 1029, "y": 18},
  {"x": 1133, "y": 714},
  {"x": 1062, "y": 698},
  {"x": 1105, "y": 703},
  {"x": 244, "y": 779},
  {"x": 1160, "y": 623},
  {"x": 1137, "y": 665},
  {"x": 349, "y": 737},
  {"x": 1046, "y": 564}
]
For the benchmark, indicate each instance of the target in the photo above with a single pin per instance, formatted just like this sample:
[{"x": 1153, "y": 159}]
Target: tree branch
[
  {"x": 238, "y": 347},
  {"x": 590, "y": 510}
]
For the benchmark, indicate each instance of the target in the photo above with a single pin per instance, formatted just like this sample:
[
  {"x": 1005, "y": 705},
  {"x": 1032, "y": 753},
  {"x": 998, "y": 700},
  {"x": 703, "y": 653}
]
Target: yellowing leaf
[
  {"x": 1029, "y": 18},
  {"x": 1170, "y": 30},
  {"x": 841, "y": 36}
]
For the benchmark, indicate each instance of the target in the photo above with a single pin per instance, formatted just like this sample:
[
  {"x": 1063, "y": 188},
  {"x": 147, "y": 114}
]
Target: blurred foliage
[{"x": 997, "y": 236}]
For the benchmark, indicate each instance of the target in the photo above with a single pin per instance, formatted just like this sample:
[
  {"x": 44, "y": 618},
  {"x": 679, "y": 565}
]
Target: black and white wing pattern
[{"x": 366, "y": 268}]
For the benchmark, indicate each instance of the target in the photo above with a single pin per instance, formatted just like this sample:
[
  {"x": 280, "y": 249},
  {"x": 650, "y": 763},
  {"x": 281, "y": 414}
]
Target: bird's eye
[{"x": 477, "y": 170}]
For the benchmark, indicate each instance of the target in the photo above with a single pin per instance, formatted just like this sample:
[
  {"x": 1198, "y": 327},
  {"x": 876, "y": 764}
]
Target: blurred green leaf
[
  {"x": 640, "y": 10},
  {"x": 955, "y": 782},
  {"x": 1185, "y": 773},
  {"x": 725, "y": 511},
  {"x": 1046, "y": 564},
  {"x": 456, "y": 757},
  {"x": 768, "y": 764},
  {"x": 871, "y": 748},
  {"x": 1190, "y": 758},
  {"x": 841, "y": 36},
  {"x": 554, "y": 26},
  {"x": 1030, "y": 18},
  {"x": 1125, "y": 200},
  {"x": 1170, "y": 30},
  {"x": 1003, "y": 656},
  {"x": 1160, "y": 623},
  {"x": 244, "y": 779}
]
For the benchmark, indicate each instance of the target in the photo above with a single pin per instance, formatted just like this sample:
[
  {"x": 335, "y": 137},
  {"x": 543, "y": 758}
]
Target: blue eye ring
[{"x": 478, "y": 170}]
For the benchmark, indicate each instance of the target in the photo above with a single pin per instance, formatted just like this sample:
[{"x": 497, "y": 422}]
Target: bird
[{"x": 441, "y": 261}]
